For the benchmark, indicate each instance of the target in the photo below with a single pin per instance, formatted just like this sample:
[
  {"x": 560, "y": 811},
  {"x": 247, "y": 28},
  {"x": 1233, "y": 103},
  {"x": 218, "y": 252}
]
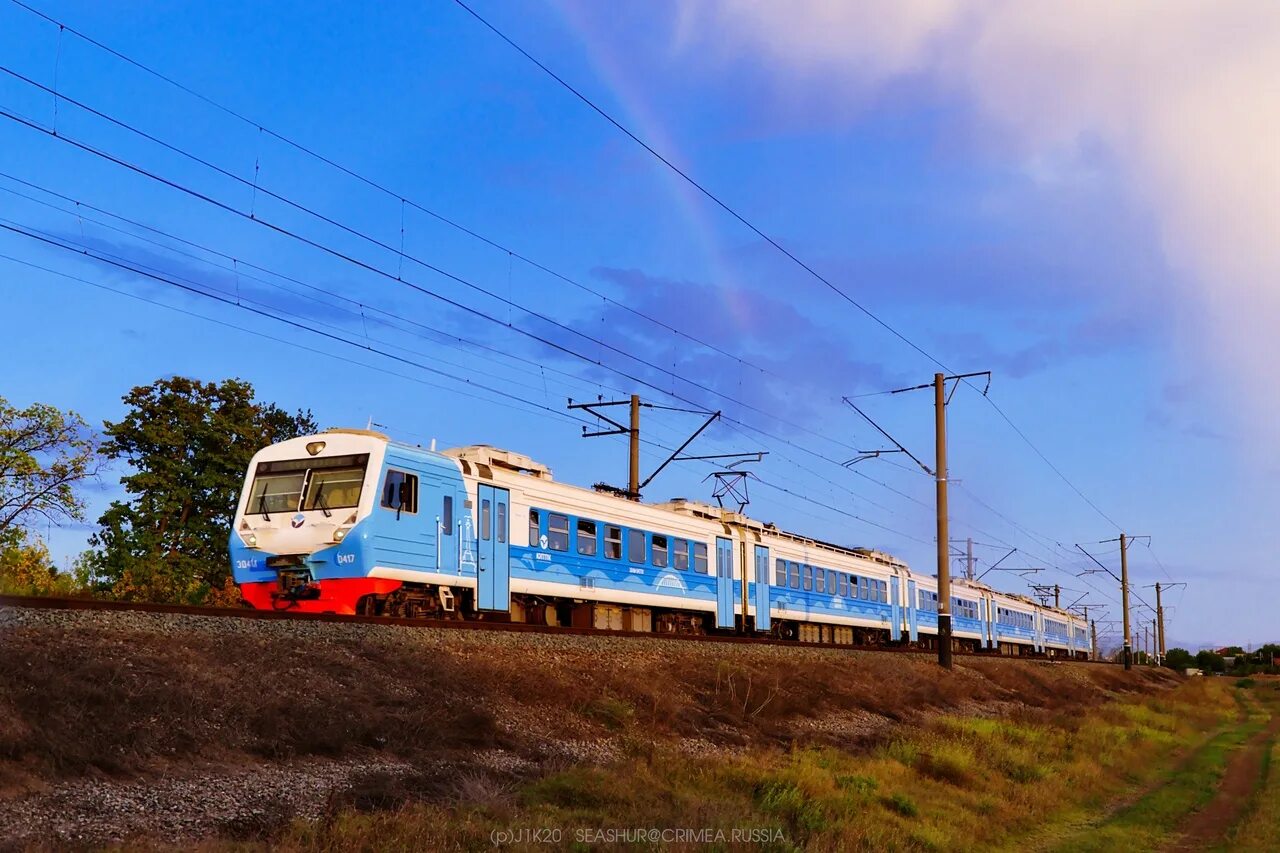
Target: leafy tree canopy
[
  {"x": 1211, "y": 661},
  {"x": 188, "y": 444},
  {"x": 1179, "y": 659},
  {"x": 27, "y": 569},
  {"x": 44, "y": 454}
]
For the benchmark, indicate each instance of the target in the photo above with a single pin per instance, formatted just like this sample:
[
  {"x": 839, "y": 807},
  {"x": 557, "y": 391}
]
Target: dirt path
[{"x": 1209, "y": 825}]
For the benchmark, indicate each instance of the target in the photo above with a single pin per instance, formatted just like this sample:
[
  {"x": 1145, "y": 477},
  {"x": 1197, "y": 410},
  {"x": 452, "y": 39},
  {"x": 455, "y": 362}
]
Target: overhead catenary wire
[
  {"x": 260, "y": 220},
  {"x": 341, "y": 167},
  {"x": 310, "y": 151},
  {"x": 297, "y": 324},
  {"x": 762, "y": 234},
  {"x": 403, "y": 199},
  {"x": 845, "y": 490}
]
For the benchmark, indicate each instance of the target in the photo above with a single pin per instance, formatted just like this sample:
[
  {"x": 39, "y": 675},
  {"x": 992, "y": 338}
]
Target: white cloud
[{"x": 1184, "y": 96}]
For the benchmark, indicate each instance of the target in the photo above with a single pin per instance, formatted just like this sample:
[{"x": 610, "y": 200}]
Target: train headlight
[
  {"x": 251, "y": 540},
  {"x": 340, "y": 534}
]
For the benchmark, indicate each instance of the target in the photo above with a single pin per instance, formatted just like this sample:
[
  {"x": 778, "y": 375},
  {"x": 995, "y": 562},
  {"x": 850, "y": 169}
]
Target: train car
[
  {"x": 349, "y": 521},
  {"x": 820, "y": 592}
]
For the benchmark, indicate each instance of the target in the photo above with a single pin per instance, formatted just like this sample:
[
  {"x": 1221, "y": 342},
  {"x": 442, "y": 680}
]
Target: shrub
[{"x": 901, "y": 804}]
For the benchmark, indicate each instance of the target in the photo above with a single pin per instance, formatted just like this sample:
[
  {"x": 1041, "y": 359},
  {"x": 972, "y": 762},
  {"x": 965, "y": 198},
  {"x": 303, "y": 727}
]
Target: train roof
[
  {"x": 485, "y": 456},
  {"x": 494, "y": 457}
]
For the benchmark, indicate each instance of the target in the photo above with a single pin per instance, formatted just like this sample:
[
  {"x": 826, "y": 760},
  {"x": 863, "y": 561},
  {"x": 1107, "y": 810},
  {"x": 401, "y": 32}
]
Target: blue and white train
[{"x": 349, "y": 521}]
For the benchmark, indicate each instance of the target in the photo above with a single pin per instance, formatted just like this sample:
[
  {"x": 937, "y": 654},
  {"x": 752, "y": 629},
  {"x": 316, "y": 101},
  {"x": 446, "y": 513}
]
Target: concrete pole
[
  {"x": 1124, "y": 601},
  {"x": 944, "y": 541},
  {"x": 633, "y": 480},
  {"x": 1160, "y": 623}
]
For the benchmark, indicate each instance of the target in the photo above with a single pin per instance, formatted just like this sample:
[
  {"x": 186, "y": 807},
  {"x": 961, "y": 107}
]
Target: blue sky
[{"x": 895, "y": 169}]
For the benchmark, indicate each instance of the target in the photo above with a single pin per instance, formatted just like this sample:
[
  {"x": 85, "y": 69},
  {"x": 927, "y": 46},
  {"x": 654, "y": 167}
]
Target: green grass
[
  {"x": 1153, "y": 819},
  {"x": 1149, "y": 822},
  {"x": 1259, "y": 831},
  {"x": 960, "y": 783}
]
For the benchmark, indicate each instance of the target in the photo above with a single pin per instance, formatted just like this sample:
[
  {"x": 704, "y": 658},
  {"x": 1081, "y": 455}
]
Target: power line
[
  {"x": 402, "y": 198},
  {"x": 733, "y": 212},
  {"x": 253, "y": 217},
  {"x": 237, "y": 263},
  {"x": 739, "y": 428},
  {"x": 417, "y": 287},
  {"x": 498, "y": 246},
  {"x": 64, "y": 27},
  {"x": 297, "y": 324}
]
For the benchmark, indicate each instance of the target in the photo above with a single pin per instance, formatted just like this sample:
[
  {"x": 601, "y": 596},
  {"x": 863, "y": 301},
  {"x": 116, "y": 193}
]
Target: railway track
[{"x": 48, "y": 603}]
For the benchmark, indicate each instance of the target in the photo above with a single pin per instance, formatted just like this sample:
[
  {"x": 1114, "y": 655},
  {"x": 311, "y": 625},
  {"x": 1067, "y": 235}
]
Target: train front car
[{"x": 300, "y": 536}]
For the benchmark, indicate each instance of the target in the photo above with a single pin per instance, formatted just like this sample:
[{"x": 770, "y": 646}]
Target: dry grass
[
  {"x": 103, "y": 702},
  {"x": 960, "y": 783},
  {"x": 114, "y": 702}
]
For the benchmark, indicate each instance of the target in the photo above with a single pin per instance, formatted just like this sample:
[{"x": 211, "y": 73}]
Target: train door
[
  {"x": 724, "y": 583},
  {"x": 1038, "y": 622},
  {"x": 764, "y": 621},
  {"x": 493, "y": 580},
  {"x": 913, "y": 628},
  {"x": 895, "y": 610},
  {"x": 448, "y": 530},
  {"x": 987, "y": 614}
]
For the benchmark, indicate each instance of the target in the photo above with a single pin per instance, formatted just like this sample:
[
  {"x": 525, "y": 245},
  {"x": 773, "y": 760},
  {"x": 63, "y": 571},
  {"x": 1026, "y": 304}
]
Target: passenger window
[
  {"x": 862, "y": 589},
  {"x": 586, "y": 538},
  {"x": 780, "y": 573},
  {"x": 831, "y": 582},
  {"x": 635, "y": 546},
  {"x": 808, "y": 576},
  {"x": 485, "y": 523},
  {"x": 502, "y": 521},
  {"x": 535, "y": 528},
  {"x": 659, "y": 551},
  {"x": 446, "y": 516},
  {"x": 844, "y": 586},
  {"x": 400, "y": 492},
  {"x": 700, "y": 557},
  {"x": 613, "y": 542},
  {"x": 793, "y": 570},
  {"x": 819, "y": 579},
  {"x": 680, "y": 557},
  {"x": 557, "y": 532},
  {"x": 853, "y": 586}
]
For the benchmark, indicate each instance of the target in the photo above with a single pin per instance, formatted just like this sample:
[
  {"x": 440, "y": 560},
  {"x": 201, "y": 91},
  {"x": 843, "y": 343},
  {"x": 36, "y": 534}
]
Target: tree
[
  {"x": 44, "y": 454},
  {"x": 188, "y": 444},
  {"x": 1179, "y": 659},
  {"x": 27, "y": 569},
  {"x": 1209, "y": 661}
]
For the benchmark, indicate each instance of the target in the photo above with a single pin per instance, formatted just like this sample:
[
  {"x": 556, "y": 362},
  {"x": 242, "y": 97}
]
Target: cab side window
[{"x": 400, "y": 492}]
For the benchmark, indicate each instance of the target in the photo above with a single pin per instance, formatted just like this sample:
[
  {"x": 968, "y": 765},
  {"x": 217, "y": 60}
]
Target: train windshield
[{"x": 328, "y": 483}]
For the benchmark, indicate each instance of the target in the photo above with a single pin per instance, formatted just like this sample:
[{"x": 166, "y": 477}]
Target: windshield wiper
[
  {"x": 262, "y": 506},
  {"x": 320, "y": 501}
]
